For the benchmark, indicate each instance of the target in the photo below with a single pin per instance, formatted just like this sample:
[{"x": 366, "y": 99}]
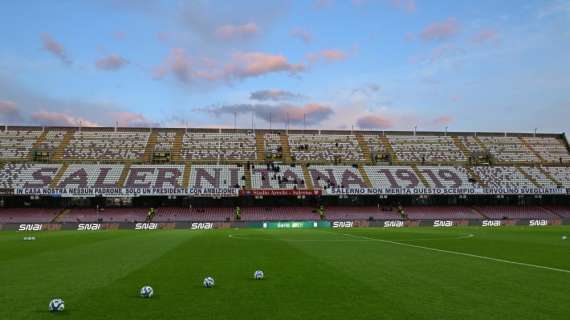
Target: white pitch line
[{"x": 462, "y": 254}]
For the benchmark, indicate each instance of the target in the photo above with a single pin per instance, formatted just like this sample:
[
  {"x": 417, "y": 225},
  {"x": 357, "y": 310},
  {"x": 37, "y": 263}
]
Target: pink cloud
[
  {"x": 55, "y": 48},
  {"x": 237, "y": 31},
  {"x": 240, "y": 65},
  {"x": 252, "y": 64},
  {"x": 119, "y": 35},
  {"x": 60, "y": 119},
  {"x": 375, "y": 122},
  {"x": 439, "y": 31},
  {"x": 406, "y": 5},
  {"x": 9, "y": 110},
  {"x": 485, "y": 36},
  {"x": 442, "y": 121},
  {"x": 111, "y": 63},
  {"x": 328, "y": 55},
  {"x": 131, "y": 119},
  {"x": 302, "y": 35},
  {"x": 322, "y": 4}
]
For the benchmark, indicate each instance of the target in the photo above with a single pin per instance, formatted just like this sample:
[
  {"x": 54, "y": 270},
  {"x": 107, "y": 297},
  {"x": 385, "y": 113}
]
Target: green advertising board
[{"x": 296, "y": 224}]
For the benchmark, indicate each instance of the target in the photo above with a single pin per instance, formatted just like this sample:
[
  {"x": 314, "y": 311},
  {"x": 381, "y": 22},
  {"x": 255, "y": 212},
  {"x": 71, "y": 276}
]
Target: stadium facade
[{"x": 85, "y": 178}]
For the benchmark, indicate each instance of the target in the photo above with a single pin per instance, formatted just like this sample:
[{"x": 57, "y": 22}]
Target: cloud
[
  {"x": 48, "y": 118},
  {"x": 112, "y": 62},
  {"x": 328, "y": 55},
  {"x": 55, "y": 48},
  {"x": 375, "y": 122},
  {"x": 9, "y": 110},
  {"x": 442, "y": 120},
  {"x": 274, "y": 95},
  {"x": 119, "y": 35},
  {"x": 311, "y": 113},
  {"x": 131, "y": 119},
  {"x": 485, "y": 36},
  {"x": 322, "y": 4},
  {"x": 366, "y": 90},
  {"x": 406, "y": 5},
  {"x": 441, "y": 53},
  {"x": 241, "y": 65},
  {"x": 230, "y": 31},
  {"x": 302, "y": 35},
  {"x": 440, "y": 31}
]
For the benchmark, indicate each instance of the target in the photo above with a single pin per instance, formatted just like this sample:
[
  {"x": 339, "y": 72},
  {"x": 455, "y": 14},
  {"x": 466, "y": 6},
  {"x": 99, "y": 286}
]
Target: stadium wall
[{"x": 337, "y": 224}]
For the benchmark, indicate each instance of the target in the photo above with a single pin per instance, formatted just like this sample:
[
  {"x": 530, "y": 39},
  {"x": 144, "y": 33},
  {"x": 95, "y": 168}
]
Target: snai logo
[
  {"x": 202, "y": 226},
  {"x": 88, "y": 226},
  {"x": 343, "y": 224},
  {"x": 146, "y": 226},
  {"x": 30, "y": 227},
  {"x": 393, "y": 224},
  {"x": 538, "y": 223},
  {"x": 491, "y": 223},
  {"x": 443, "y": 223}
]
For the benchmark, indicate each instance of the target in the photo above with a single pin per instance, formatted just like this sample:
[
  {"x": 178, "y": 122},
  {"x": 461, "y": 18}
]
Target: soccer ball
[
  {"x": 209, "y": 282},
  {"x": 563, "y": 237},
  {"x": 258, "y": 275},
  {"x": 146, "y": 292},
  {"x": 56, "y": 305}
]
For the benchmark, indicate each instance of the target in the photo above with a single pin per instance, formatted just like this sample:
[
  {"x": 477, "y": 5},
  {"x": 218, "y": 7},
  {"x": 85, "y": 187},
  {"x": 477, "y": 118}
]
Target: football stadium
[
  {"x": 278, "y": 159},
  {"x": 343, "y": 224}
]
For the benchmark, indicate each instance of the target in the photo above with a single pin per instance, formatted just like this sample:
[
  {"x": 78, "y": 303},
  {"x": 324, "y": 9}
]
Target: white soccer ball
[
  {"x": 258, "y": 275},
  {"x": 209, "y": 282},
  {"x": 146, "y": 292},
  {"x": 563, "y": 237},
  {"x": 56, "y": 305}
]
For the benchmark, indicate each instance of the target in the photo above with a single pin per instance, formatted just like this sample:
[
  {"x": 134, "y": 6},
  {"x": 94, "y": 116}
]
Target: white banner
[
  {"x": 442, "y": 191},
  {"x": 128, "y": 192}
]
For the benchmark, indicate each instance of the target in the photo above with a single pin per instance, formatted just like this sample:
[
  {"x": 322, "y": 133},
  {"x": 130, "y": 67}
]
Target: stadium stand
[
  {"x": 106, "y": 145},
  {"x": 219, "y": 146},
  {"x": 277, "y": 176},
  {"x": 16, "y": 144},
  {"x": 425, "y": 149},
  {"x": 325, "y": 148},
  {"x": 43, "y": 159},
  {"x": 27, "y": 215}
]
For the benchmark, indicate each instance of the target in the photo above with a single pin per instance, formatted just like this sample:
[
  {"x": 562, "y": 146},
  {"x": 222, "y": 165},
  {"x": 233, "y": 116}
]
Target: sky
[{"x": 470, "y": 66}]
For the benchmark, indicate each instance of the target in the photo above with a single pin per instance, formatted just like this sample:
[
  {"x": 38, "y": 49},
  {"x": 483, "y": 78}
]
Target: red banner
[{"x": 280, "y": 192}]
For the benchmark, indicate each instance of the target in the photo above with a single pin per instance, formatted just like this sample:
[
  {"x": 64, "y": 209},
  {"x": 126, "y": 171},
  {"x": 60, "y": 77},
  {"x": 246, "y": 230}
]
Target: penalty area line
[{"x": 459, "y": 253}]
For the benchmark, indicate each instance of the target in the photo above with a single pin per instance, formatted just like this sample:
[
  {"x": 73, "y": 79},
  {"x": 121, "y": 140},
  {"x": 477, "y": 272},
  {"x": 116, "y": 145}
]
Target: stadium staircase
[
  {"x": 247, "y": 173},
  {"x": 364, "y": 176},
  {"x": 475, "y": 176},
  {"x": 388, "y": 147},
  {"x": 549, "y": 176},
  {"x": 58, "y": 154},
  {"x": 60, "y": 215},
  {"x": 260, "y": 146},
  {"x": 479, "y": 212},
  {"x": 529, "y": 147},
  {"x": 176, "y": 155},
  {"x": 186, "y": 175},
  {"x": 364, "y": 147},
  {"x": 285, "y": 148},
  {"x": 480, "y": 143},
  {"x": 150, "y": 144},
  {"x": 461, "y": 146},
  {"x": 308, "y": 179},
  {"x": 38, "y": 143},
  {"x": 124, "y": 174},
  {"x": 420, "y": 175},
  {"x": 55, "y": 181},
  {"x": 529, "y": 177},
  {"x": 550, "y": 211}
]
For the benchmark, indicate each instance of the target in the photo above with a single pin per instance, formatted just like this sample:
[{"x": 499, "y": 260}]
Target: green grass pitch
[{"x": 310, "y": 274}]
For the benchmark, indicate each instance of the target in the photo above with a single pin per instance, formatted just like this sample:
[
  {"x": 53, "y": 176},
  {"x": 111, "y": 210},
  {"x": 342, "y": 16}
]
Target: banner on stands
[
  {"x": 281, "y": 192},
  {"x": 128, "y": 192},
  {"x": 444, "y": 191}
]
